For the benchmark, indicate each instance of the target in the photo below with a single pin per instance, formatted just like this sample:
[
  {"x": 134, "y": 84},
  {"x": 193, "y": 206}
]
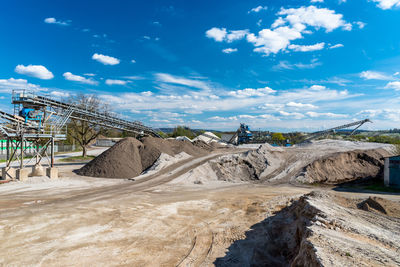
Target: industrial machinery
[
  {"x": 242, "y": 135},
  {"x": 42, "y": 120}
]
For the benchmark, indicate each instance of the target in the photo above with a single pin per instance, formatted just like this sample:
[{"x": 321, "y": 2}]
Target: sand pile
[
  {"x": 126, "y": 159},
  {"x": 316, "y": 230},
  {"x": 130, "y": 157},
  {"x": 343, "y": 167}
]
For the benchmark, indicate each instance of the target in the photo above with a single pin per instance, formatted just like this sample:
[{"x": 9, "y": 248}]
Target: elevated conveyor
[{"x": 67, "y": 111}]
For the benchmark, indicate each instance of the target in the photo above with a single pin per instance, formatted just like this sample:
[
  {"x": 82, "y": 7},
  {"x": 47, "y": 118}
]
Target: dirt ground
[{"x": 155, "y": 221}]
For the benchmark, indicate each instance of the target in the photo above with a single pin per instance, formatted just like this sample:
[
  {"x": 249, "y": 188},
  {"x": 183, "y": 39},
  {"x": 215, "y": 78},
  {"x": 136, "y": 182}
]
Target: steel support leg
[{"x": 52, "y": 152}]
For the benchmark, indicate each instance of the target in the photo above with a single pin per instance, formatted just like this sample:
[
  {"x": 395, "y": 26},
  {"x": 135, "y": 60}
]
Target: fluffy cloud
[
  {"x": 60, "y": 94},
  {"x": 314, "y": 17},
  {"x": 229, "y": 50},
  {"x": 317, "y": 1},
  {"x": 307, "y": 48},
  {"x": 387, "y": 4},
  {"x": 249, "y": 92},
  {"x": 374, "y": 75},
  {"x": 168, "y": 78},
  {"x": 7, "y": 85},
  {"x": 317, "y": 87},
  {"x": 37, "y": 71},
  {"x": 218, "y": 34},
  {"x": 116, "y": 82},
  {"x": 300, "y": 105},
  {"x": 257, "y": 9},
  {"x": 393, "y": 85},
  {"x": 106, "y": 60},
  {"x": 291, "y": 24},
  {"x": 76, "y": 78},
  {"x": 221, "y": 34},
  {"x": 58, "y": 22}
]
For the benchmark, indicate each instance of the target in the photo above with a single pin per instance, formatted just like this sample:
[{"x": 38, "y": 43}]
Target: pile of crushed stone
[
  {"x": 317, "y": 230},
  {"x": 326, "y": 161},
  {"x": 343, "y": 167},
  {"x": 130, "y": 157}
]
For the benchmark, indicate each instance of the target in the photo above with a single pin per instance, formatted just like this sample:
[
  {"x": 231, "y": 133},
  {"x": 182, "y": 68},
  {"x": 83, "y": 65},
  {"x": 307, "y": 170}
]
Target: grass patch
[
  {"x": 379, "y": 186},
  {"x": 26, "y": 157},
  {"x": 77, "y": 159}
]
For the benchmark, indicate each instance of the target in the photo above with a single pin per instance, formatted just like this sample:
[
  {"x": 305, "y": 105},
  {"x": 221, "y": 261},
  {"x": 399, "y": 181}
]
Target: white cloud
[
  {"x": 290, "y": 25},
  {"x": 58, "y": 22},
  {"x": 168, "y": 78},
  {"x": 307, "y": 48},
  {"x": 374, "y": 75},
  {"x": 393, "y": 85},
  {"x": 60, "y": 94},
  {"x": 218, "y": 34},
  {"x": 250, "y": 92},
  {"x": 382, "y": 114},
  {"x": 396, "y": 73},
  {"x": 257, "y": 9},
  {"x": 116, "y": 82},
  {"x": 315, "y": 17},
  {"x": 236, "y": 35},
  {"x": 272, "y": 41},
  {"x": 387, "y": 4},
  {"x": 221, "y": 34},
  {"x": 360, "y": 24},
  {"x": 300, "y": 105},
  {"x": 317, "y": 87},
  {"x": 76, "y": 78},
  {"x": 296, "y": 115},
  {"x": 336, "y": 46},
  {"x": 316, "y": 1},
  {"x": 327, "y": 114},
  {"x": 147, "y": 93},
  {"x": 133, "y": 61},
  {"x": 89, "y": 74},
  {"x": 229, "y": 50},
  {"x": 106, "y": 60},
  {"x": 37, "y": 71},
  {"x": 7, "y": 85}
]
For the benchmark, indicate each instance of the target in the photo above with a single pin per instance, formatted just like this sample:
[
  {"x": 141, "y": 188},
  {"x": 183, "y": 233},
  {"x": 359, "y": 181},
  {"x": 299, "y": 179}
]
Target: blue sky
[{"x": 275, "y": 65}]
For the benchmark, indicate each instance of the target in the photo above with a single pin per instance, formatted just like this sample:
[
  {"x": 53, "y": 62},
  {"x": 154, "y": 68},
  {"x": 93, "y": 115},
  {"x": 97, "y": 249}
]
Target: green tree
[{"x": 278, "y": 137}]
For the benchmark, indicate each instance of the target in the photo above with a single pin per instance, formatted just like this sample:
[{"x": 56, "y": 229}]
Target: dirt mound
[
  {"x": 203, "y": 145},
  {"x": 380, "y": 205},
  {"x": 123, "y": 160},
  {"x": 343, "y": 167},
  {"x": 129, "y": 157}
]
